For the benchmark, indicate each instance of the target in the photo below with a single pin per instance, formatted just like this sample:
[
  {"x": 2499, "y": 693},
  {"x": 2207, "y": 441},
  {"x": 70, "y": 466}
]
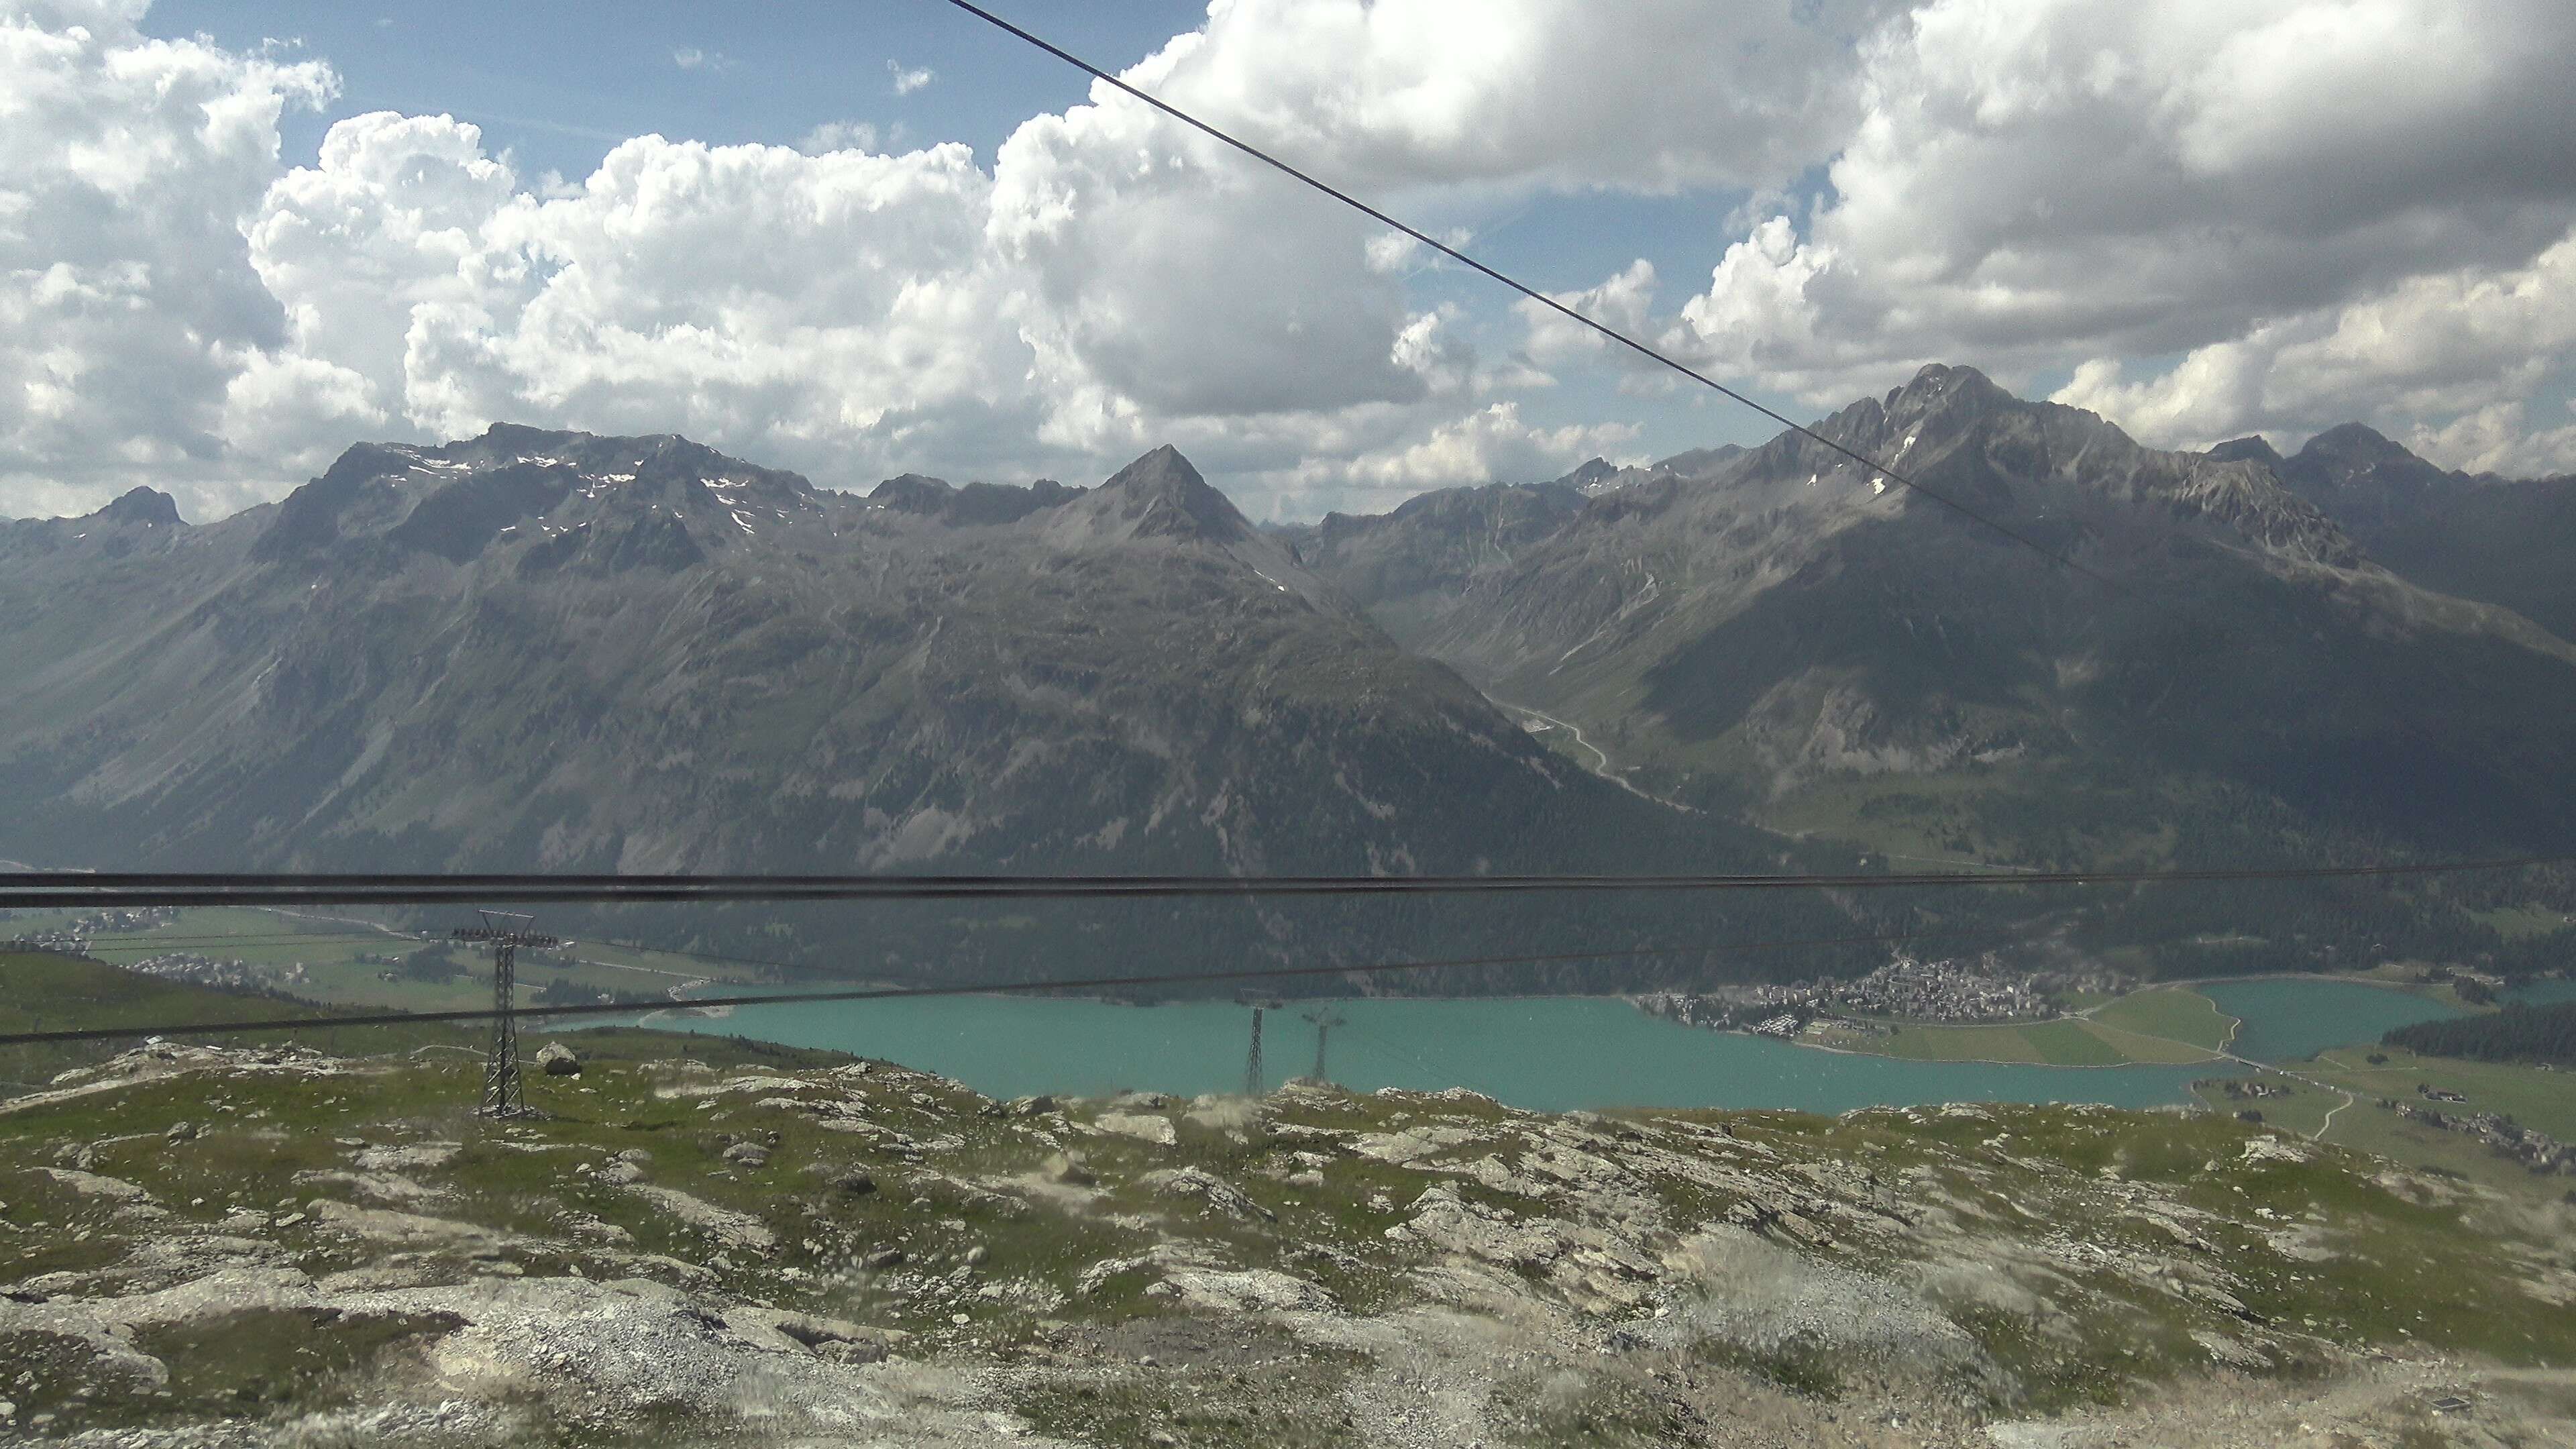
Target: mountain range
[
  {"x": 556, "y": 651},
  {"x": 2506, "y": 541},
  {"x": 550, "y": 651},
  {"x": 2345, "y": 646}
]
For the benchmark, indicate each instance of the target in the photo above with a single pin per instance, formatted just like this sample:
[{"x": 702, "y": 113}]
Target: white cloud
[
  {"x": 827, "y": 310},
  {"x": 839, "y": 136},
  {"x": 1112, "y": 282},
  {"x": 2467, "y": 345},
  {"x": 1622, "y": 302},
  {"x": 2270, "y": 215},
  {"x": 127, "y": 306},
  {"x": 1392, "y": 251},
  {"x": 2498, "y": 438},
  {"x": 908, "y": 79},
  {"x": 689, "y": 57},
  {"x": 1492, "y": 442},
  {"x": 1449, "y": 92},
  {"x": 1371, "y": 458},
  {"x": 1759, "y": 313},
  {"x": 1105, "y": 288},
  {"x": 1166, "y": 269},
  {"x": 2327, "y": 208}
]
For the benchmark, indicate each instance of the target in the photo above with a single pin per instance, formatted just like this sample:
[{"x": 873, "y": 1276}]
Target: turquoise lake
[
  {"x": 2287, "y": 1017},
  {"x": 2544, "y": 993},
  {"x": 1546, "y": 1053}
]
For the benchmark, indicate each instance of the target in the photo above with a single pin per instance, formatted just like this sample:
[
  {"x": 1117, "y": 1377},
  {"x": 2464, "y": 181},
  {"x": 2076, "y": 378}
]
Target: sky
[{"x": 876, "y": 236}]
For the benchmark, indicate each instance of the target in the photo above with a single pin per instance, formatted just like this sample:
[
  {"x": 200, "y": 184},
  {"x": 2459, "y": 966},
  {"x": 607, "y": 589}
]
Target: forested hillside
[{"x": 2518, "y": 1033}]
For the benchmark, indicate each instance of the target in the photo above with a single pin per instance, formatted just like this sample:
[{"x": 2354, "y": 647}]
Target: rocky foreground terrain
[{"x": 210, "y": 1246}]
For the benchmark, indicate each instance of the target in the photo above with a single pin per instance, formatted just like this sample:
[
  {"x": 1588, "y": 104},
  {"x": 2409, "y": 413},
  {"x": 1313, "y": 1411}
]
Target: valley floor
[{"x": 2345, "y": 1095}]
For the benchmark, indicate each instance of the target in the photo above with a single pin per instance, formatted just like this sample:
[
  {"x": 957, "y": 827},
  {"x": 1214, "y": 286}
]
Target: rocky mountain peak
[
  {"x": 513, "y": 484},
  {"x": 913, "y": 493},
  {"x": 2366, "y": 480},
  {"x": 2357, "y": 445},
  {"x": 1939, "y": 406},
  {"x": 1161, "y": 496},
  {"x": 1940, "y": 389},
  {"x": 521, "y": 438},
  {"x": 142, "y": 508},
  {"x": 1162, "y": 471},
  {"x": 1591, "y": 475},
  {"x": 2247, "y": 450}
]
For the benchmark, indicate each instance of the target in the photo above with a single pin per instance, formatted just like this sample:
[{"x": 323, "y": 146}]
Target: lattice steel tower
[
  {"x": 501, "y": 1093},
  {"x": 1252, "y": 1067},
  {"x": 1324, "y": 1021}
]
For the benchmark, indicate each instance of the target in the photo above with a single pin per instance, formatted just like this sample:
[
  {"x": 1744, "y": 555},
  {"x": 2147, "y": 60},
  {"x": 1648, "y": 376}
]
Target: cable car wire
[
  {"x": 78, "y": 890},
  {"x": 908, "y": 993},
  {"x": 1534, "y": 294}
]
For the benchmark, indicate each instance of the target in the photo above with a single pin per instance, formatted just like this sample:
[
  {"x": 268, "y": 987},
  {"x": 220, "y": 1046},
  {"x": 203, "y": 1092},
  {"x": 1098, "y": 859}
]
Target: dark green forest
[{"x": 2516, "y": 1034}]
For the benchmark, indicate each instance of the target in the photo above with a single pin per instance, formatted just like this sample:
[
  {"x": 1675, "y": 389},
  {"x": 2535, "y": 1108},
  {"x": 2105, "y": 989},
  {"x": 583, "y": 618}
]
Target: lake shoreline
[{"x": 1544, "y": 1053}]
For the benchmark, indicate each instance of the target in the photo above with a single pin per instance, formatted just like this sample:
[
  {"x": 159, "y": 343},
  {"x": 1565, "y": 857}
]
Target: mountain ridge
[
  {"x": 536, "y": 649},
  {"x": 2499, "y": 540},
  {"x": 554, "y": 651},
  {"x": 1793, "y": 626}
]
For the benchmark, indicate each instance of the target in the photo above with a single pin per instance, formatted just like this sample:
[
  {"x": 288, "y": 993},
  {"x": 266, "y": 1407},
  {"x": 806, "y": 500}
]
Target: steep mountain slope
[
  {"x": 1788, "y": 635},
  {"x": 1425, "y": 552},
  {"x": 563, "y": 652},
  {"x": 2508, "y": 542},
  {"x": 635, "y": 654},
  {"x": 1407, "y": 565}
]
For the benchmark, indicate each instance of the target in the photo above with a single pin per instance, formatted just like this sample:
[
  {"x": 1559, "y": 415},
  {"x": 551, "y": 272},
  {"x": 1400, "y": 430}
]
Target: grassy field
[
  {"x": 345, "y": 960},
  {"x": 2142, "y": 1047},
  {"x": 40, "y": 991},
  {"x": 2303, "y": 1111},
  {"x": 2055, "y": 1043},
  {"x": 2368, "y": 1128},
  {"x": 1937, "y": 818},
  {"x": 2533, "y": 1096},
  {"x": 2519, "y": 921},
  {"x": 2170, "y": 1013},
  {"x": 2536, "y": 1097}
]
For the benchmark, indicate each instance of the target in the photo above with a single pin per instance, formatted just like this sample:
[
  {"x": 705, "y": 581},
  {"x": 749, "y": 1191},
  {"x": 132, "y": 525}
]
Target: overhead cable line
[
  {"x": 984, "y": 988},
  {"x": 138, "y": 941},
  {"x": 123, "y": 942},
  {"x": 40, "y": 890},
  {"x": 1534, "y": 294}
]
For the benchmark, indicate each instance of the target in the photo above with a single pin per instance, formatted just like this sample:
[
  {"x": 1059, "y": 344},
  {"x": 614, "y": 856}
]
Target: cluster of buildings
[
  {"x": 70, "y": 943},
  {"x": 1940, "y": 991},
  {"x": 1913, "y": 989},
  {"x": 2241, "y": 1091},
  {"x": 2238, "y": 1091},
  {"x": 1745, "y": 1006},
  {"x": 73, "y": 936},
  {"x": 2537, "y": 1151},
  {"x": 199, "y": 970},
  {"x": 102, "y": 923}
]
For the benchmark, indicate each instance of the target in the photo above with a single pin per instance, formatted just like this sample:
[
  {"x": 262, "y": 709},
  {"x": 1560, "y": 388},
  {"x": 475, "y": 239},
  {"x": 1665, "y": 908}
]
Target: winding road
[
  {"x": 1575, "y": 730},
  {"x": 2222, "y": 1054},
  {"x": 1604, "y": 769}
]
